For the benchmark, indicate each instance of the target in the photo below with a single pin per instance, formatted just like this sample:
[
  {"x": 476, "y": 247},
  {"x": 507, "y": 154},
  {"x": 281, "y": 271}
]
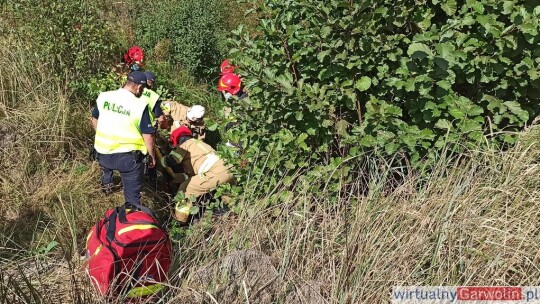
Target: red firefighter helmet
[
  {"x": 179, "y": 133},
  {"x": 134, "y": 55},
  {"x": 226, "y": 67},
  {"x": 229, "y": 83}
]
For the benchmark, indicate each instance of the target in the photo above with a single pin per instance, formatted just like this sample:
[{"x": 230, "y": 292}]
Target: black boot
[{"x": 107, "y": 188}]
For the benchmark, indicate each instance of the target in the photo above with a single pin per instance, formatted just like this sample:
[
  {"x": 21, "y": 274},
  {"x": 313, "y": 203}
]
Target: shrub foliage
[
  {"x": 188, "y": 33},
  {"x": 74, "y": 38},
  {"x": 395, "y": 78}
]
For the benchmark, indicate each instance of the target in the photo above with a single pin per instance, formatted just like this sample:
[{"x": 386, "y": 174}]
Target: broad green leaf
[
  {"x": 533, "y": 74},
  {"x": 213, "y": 127},
  {"x": 420, "y": 48},
  {"x": 351, "y": 99},
  {"x": 457, "y": 113},
  {"x": 363, "y": 84},
  {"x": 300, "y": 140},
  {"x": 446, "y": 50},
  {"x": 449, "y": 7},
  {"x": 516, "y": 109},
  {"x": 443, "y": 124},
  {"x": 325, "y": 30},
  {"x": 507, "y": 7},
  {"x": 444, "y": 84},
  {"x": 477, "y": 7},
  {"x": 322, "y": 54}
]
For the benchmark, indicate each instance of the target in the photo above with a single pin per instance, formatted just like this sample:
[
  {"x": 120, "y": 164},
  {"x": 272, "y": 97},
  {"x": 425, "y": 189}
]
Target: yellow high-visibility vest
[
  {"x": 118, "y": 125},
  {"x": 150, "y": 98}
]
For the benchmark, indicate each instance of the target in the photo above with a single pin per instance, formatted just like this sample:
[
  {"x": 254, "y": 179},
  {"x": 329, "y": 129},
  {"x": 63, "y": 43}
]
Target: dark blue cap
[
  {"x": 150, "y": 76},
  {"x": 137, "y": 77}
]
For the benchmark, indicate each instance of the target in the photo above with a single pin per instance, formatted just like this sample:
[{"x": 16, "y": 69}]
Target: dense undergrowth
[{"x": 339, "y": 228}]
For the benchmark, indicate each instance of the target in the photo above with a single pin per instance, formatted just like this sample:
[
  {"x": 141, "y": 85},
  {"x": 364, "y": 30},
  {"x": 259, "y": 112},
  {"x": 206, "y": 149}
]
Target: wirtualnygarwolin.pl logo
[{"x": 465, "y": 294}]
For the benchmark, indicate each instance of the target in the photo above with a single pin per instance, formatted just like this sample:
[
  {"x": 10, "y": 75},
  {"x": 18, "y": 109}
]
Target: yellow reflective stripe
[
  {"x": 162, "y": 162},
  {"x": 107, "y": 149},
  {"x": 202, "y": 146},
  {"x": 144, "y": 290},
  {"x": 118, "y": 137},
  {"x": 88, "y": 237},
  {"x": 98, "y": 249},
  {"x": 112, "y": 143},
  {"x": 136, "y": 227},
  {"x": 114, "y": 146},
  {"x": 178, "y": 157}
]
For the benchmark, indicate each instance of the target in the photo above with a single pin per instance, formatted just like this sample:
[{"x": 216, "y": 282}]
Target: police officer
[
  {"x": 157, "y": 119},
  {"x": 124, "y": 135},
  {"x": 204, "y": 169},
  {"x": 150, "y": 96}
]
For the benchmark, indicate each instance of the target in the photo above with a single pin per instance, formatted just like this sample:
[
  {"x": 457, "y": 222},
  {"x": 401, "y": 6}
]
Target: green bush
[
  {"x": 72, "y": 37},
  {"x": 188, "y": 33},
  {"x": 407, "y": 78}
]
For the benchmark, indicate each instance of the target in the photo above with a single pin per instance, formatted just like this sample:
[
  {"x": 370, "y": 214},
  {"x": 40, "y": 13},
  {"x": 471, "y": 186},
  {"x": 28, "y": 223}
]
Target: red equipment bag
[{"x": 129, "y": 253}]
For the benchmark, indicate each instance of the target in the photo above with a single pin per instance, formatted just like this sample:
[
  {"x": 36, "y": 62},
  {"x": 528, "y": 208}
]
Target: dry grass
[{"x": 475, "y": 224}]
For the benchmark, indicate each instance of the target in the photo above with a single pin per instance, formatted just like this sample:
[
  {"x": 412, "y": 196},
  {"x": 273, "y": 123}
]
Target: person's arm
[
  {"x": 151, "y": 146},
  {"x": 95, "y": 116},
  {"x": 160, "y": 116},
  {"x": 147, "y": 132},
  {"x": 174, "y": 158},
  {"x": 157, "y": 109}
]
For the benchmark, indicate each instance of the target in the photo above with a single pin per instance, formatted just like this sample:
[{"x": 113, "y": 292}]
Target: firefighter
[
  {"x": 134, "y": 58},
  {"x": 181, "y": 115},
  {"x": 204, "y": 170},
  {"x": 230, "y": 85},
  {"x": 124, "y": 135},
  {"x": 226, "y": 67}
]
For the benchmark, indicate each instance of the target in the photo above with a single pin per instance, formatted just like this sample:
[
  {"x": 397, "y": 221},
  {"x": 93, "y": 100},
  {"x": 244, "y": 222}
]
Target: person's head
[
  {"x": 178, "y": 134},
  {"x": 136, "y": 82},
  {"x": 226, "y": 67},
  {"x": 134, "y": 58},
  {"x": 150, "y": 80},
  {"x": 229, "y": 84},
  {"x": 196, "y": 113}
]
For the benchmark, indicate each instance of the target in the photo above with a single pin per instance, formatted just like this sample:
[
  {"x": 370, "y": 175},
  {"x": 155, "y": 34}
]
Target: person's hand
[
  {"x": 151, "y": 162},
  {"x": 163, "y": 123}
]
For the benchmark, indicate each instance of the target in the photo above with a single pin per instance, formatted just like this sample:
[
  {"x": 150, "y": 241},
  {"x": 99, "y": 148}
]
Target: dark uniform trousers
[{"x": 130, "y": 166}]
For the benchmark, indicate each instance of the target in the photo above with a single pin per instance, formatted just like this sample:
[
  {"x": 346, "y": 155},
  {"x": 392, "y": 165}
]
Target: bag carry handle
[
  {"x": 136, "y": 206},
  {"x": 123, "y": 219},
  {"x": 120, "y": 214},
  {"x": 111, "y": 228}
]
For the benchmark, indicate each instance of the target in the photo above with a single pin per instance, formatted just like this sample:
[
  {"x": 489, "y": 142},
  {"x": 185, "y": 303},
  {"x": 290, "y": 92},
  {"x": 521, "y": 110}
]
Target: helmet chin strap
[{"x": 227, "y": 95}]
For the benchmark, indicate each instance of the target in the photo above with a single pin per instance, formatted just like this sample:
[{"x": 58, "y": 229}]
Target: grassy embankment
[{"x": 475, "y": 223}]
